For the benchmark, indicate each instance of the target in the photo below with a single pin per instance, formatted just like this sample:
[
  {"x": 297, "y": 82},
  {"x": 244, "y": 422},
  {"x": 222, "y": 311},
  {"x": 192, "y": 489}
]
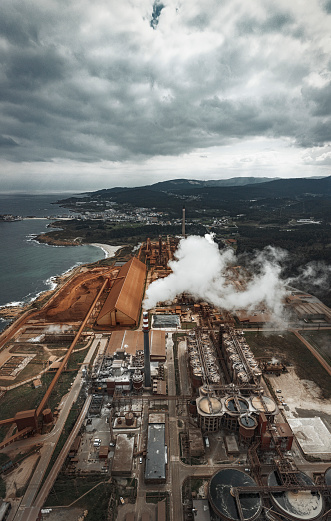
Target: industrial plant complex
[{"x": 175, "y": 410}]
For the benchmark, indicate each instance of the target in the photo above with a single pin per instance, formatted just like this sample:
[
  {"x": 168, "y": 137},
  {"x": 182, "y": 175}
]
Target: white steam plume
[
  {"x": 36, "y": 339},
  {"x": 57, "y": 328},
  {"x": 200, "y": 270},
  {"x": 317, "y": 274}
]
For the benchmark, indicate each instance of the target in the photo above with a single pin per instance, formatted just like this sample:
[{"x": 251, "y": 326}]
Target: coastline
[
  {"x": 106, "y": 248},
  {"x": 12, "y": 311}
]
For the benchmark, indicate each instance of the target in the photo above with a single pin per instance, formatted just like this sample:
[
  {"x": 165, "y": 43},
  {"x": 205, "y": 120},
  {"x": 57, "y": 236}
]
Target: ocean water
[
  {"x": 27, "y": 267},
  {"x": 27, "y": 205}
]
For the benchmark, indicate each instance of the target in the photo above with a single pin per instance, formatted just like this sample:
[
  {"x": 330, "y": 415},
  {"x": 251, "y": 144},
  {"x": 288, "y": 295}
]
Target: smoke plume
[
  {"x": 57, "y": 328},
  {"x": 316, "y": 274},
  {"x": 200, "y": 269}
]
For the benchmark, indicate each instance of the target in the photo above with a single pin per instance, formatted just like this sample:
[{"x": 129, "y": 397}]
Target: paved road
[{"x": 50, "y": 480}]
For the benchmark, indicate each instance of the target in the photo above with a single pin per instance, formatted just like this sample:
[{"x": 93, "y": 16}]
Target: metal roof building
[
  {"x": 122, "y": 306},
  {"x": 132, "y": 341},
  {"x": 123, "y": 456},
  {"x": 155, "y": 470}
]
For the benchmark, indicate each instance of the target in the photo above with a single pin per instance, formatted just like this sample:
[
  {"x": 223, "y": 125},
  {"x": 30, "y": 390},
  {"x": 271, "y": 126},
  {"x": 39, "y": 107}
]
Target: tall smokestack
[
  {"x": 146, "y": 351},
  {"x": 183, "y": 222}
]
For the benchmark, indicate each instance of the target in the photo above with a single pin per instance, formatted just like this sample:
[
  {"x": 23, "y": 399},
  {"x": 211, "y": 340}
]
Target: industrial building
[
  {"x": 156, "y": 459},
  {"x": 123, "y": 456},
  {"x": 122, "y": 366},
  {"x": 132, "y": 341},
  {"x": 200, "y": 390},
  {"x": 122, "y": 306},
  {"x": 308, "y": 308}
]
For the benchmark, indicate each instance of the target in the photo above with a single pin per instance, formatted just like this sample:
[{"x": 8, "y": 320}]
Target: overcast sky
[{"x": 96, "y": 94}]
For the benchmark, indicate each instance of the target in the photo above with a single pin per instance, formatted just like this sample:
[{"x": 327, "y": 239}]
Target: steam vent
[
  {"x": 301, "y": 504},
  {"x": 222, "y": 498}
]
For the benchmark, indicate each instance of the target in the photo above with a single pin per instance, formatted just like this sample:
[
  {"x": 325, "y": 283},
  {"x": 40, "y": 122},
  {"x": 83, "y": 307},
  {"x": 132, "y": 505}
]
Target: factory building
[
  {"x": 308, "y": 308},
  {"x": 156, "y": 459},
  {"x": 196, "y": 445},
  {"x": 123, "y": 455},
  {"x": 233, "y": 412},
  {"x": 122, "y": 367},
  {"x": 132, "y": 341},
  {"x": 277, "y": 434},
  {"x": 122, "y": 306},
  {"x": 240, "y": 363},
  {"x": 256, "y": 319}
]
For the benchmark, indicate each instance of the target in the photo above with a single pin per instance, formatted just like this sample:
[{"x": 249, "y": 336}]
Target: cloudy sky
[{"x": 103, "y": 93}]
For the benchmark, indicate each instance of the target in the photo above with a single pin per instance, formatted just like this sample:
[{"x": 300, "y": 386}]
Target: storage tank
[
  {"x": 236, "y": 405},
  {"x": 129, "y": 418},
  {"x": 247, "y": 426},
  {"x": 210, "y": 405},
  {"x": 264, "y": 404},
  {"x": 47, "y": 416},
  {"x": 222, "y": 500},
  {"x": 301, "y": 504}
]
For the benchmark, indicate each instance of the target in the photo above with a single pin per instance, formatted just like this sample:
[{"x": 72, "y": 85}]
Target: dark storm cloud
[
  {"x": 7, "y": 142},
  {"x": 327, "y": 6},
  {"x": 93, "y": 81},
  {"x": 274, "y": 22}
]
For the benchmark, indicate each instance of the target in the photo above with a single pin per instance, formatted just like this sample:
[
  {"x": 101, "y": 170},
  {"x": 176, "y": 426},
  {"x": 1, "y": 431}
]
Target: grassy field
[
  {"x": 67, "y": 489},
  {"x": 287, "y": 348},
  {"x": 27, "y": 397},
  {"x": 39, "y": 362},
  {"x": 321, "y": 341}
]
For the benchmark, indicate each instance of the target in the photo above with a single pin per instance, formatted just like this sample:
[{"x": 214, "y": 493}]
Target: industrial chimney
[
  {"x": 183, "y": 222},
  {"x": 146, "y": 351}
]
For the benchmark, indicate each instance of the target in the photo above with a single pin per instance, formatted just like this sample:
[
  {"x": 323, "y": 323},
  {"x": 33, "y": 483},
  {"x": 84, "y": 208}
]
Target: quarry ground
[{"x": 303, "y": 397}]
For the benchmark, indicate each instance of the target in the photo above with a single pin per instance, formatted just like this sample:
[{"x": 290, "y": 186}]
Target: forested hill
[
  {"x": 272, "y": 188},
  {"x": 234, "y": 199}
]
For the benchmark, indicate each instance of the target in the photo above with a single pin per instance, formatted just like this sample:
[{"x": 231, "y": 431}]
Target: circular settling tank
[
  {"x": 301, "y": 504},
  {"x": 210, "y": 405},
  {"x": 238, "y": 405},
  {"x": 222, "y": 500},
  {"x": 264, "y": 404}
]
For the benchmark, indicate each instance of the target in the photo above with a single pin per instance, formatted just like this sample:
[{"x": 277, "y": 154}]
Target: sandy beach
[{"x": 109, "y": 250}]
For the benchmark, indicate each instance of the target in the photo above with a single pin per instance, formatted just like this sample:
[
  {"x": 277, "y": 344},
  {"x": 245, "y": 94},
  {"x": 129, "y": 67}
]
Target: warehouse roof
[
  {"x": 132, "y": 341},
  {"x": 123, "y": 455},
  {"x": 127, "y": 290},
  {"x": 156, "y": 453}
]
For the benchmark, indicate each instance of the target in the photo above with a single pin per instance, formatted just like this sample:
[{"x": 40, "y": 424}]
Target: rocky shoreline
[
  {"x": 13, "y": 312},
  {"x": 45, "y": 238}
]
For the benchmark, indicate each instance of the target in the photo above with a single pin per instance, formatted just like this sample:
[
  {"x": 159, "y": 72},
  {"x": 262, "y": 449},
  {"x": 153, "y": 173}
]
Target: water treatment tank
[
  {"x": 301, "y": 504},
  {"x": 222, "y": 500},
  {"x": 236, "y": 405},
  {"x": 247, "y": 426},
  {"x": 264, "y": 404},
  {"x": 210, "y": 405}
]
